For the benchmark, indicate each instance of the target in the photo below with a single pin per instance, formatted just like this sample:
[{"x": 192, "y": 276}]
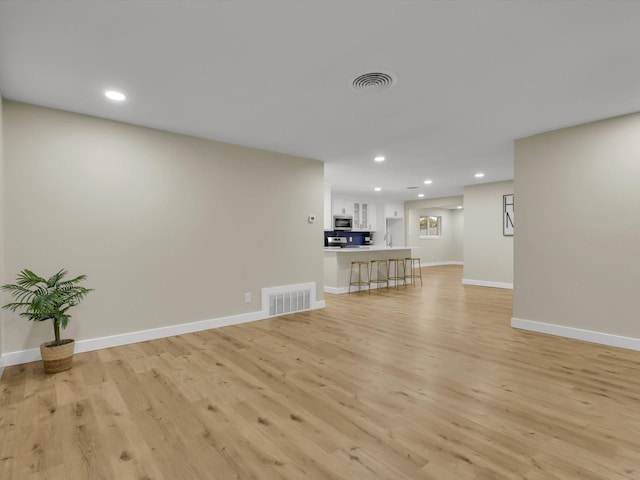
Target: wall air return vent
[
  {"x": 373, "y": 81},
  {"x": 288, "y": 299}
]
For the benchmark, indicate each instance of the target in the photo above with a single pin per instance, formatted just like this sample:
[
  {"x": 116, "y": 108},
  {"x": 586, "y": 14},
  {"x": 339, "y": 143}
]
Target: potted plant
[{"x": 48, "y": 299}]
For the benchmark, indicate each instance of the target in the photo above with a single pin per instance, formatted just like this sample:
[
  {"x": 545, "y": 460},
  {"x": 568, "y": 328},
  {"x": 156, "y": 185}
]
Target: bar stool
[
  {"x": 409, "y": 270},
  {"x": 381, "y": 270},
  {"x": 396, "y": 271},
  {"x": 360, "y": 281}
]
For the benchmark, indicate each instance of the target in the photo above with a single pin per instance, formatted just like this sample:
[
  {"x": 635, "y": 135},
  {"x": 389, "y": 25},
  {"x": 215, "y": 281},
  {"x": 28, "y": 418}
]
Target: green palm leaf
[{"x": 46, "y": 299}]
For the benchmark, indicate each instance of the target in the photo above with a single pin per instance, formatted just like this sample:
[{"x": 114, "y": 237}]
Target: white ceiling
[{"x": 471, "y": 77}]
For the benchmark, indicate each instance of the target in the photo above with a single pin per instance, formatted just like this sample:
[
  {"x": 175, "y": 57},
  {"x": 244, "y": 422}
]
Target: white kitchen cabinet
[
  {"x": 394, "y": 210},
  {"x": 364, "y": 216},
  {"x": 336, "y": 206},
  {"x": 372, "y": 218},
  {"x": 343, "y": 207},
  {"x": 364, "y": 213}
]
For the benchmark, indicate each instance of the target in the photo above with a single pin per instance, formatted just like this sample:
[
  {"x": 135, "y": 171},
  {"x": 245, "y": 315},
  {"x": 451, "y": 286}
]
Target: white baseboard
[
  {"x": 482, "y": 283},
  {"x": 619, "y": 341},
  {"x": 341, "y": 290},
  {"x": 1, "y": 366},
  {"x": 23, "y": 356},
  {"x": 33, "y": 354},
  {"x": 335, "y": 290},
  {"x": 438, "y": 264}
]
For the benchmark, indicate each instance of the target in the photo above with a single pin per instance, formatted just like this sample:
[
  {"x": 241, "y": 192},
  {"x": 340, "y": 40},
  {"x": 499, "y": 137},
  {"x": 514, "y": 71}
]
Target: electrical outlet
[{"x": 247, "y": 297}]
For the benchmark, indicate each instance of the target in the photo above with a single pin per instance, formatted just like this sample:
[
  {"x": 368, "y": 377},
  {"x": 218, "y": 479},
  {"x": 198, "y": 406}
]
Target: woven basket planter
[{"x": 57, "y": 359}]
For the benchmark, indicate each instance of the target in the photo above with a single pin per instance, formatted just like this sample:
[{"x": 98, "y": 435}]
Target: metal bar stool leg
[
  {"x": 419, "y": 270},
  {"x": 396, "y": 275},
  {"x": 360, "y": 281},
  {"x": 381, "y": 270},
  {"x": 350, "y": 275},
  {"x": 410, "y": 270}
]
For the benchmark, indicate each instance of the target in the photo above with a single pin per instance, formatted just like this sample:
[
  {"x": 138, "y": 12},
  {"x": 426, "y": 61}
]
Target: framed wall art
[{"x": 508, "y": 209}]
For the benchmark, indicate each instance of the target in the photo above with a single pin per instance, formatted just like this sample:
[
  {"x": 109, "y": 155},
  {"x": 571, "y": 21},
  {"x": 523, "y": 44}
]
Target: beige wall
[
  {"x": 577, "y": 247},
  {"x": 2, "y": 262},
  {"x": 169, "y": 229},
  {"x": 488, "y": 254},
  {"x": 457, "y": 226},
  {"x": 448, "y": 248}
]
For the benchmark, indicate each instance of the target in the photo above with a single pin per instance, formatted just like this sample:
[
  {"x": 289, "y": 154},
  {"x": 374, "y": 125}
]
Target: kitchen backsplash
[{"x": 353, "y": 238}]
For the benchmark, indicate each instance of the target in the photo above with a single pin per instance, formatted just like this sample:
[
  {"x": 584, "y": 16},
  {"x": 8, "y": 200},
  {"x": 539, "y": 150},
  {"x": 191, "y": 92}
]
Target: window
[{"x": 430, "y": 227}]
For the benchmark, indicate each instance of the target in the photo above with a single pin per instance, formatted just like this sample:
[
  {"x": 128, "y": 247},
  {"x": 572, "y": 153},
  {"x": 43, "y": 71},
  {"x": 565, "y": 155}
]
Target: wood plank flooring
[{"x": 419, "y": 383}]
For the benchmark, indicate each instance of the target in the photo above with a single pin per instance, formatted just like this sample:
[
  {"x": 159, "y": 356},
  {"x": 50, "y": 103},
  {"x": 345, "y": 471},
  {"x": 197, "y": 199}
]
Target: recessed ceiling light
[
  {"x": 459, "y": 206},
  {"x": 421, "y": 195},
  {"x": 377, "y": 189},
  {"x": 428, "y": 182},
  {"x": 379, "y": 159},
  {"x": 113, "y": 95},
  {"x": 479, "y": 175}
]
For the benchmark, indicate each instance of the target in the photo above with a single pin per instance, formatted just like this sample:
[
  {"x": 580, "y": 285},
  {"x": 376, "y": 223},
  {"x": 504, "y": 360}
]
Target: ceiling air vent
[{"x": 373, "y": 81}]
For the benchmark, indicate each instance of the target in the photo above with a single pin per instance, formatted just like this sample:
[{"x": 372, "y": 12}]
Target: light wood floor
[{"x": 422, "y": 383}]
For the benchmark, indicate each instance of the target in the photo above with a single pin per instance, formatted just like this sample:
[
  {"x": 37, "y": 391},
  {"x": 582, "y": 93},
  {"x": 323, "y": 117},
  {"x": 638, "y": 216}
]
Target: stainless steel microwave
[{"x": 342, "y": 222}]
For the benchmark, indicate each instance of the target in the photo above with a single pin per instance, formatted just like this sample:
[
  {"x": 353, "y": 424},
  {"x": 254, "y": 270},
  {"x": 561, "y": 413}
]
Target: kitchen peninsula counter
[
  {"x": 337, "y": 263},
  {"x": 365, "y": 248}
]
